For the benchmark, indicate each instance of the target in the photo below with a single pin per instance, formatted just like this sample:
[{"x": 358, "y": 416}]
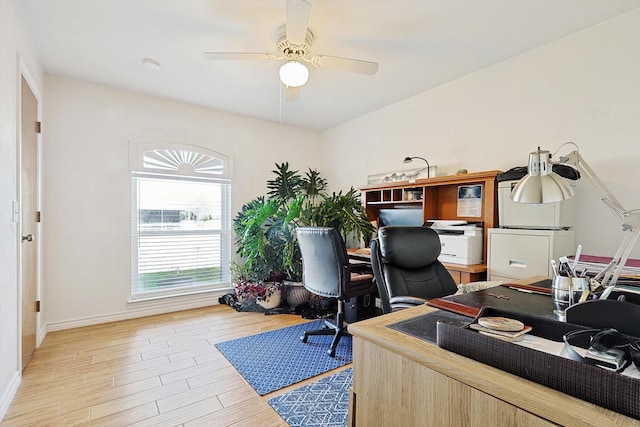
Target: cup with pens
[{"x": 567, "y": 288}]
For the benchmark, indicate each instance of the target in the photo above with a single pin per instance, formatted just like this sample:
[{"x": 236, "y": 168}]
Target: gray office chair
[
  {"x": 406, "y": 267},
  {"x": 326, "y": 272}
]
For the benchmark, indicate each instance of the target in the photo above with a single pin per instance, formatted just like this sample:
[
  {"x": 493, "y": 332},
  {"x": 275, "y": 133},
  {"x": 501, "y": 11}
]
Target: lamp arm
[
  {"x": 630, "y": 220},
  {"x": 575, "y": 159},
  {"x": 428, "y": 165},
  {"x": 620, "y": 259}
]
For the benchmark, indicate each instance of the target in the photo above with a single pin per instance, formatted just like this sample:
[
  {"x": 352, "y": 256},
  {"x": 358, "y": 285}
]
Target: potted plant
[
  {"x": 256, "y": 244},
  {"x": 248, "y": 290},
  {"x": 265, "y": 294},
  {"x": 265, "y": 227}
]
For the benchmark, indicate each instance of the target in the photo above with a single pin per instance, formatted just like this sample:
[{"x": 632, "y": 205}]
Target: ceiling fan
[{"x": 293, "y": 43}]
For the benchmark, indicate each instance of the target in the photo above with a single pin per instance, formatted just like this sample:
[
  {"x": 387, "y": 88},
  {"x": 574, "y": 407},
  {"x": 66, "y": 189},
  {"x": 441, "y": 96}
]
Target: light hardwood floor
[{"x": 155, "y": 371}]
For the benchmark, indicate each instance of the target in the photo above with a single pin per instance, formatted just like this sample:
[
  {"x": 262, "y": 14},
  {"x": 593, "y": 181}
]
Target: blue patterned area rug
[
  {"x": 323, "y": 403},
  {"x": 272, "y": 360}
]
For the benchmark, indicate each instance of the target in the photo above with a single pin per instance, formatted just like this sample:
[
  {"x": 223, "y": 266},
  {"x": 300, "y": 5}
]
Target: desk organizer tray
[{"x": 604, "y": 388}]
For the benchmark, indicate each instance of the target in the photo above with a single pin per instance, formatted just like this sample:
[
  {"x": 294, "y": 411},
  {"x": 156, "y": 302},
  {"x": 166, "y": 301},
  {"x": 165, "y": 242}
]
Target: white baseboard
[
  {"x": 9, "y": 394},
  {"x": 41, "y": 335},
  {"x": 142, "y": 309}
]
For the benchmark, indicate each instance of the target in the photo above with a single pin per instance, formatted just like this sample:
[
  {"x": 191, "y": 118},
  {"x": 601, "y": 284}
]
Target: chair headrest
[{"x": 408, "y": 247}]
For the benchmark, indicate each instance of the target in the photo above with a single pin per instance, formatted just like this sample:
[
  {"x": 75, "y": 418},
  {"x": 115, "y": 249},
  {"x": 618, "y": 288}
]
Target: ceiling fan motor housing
[{"x": 289, "y": 49}]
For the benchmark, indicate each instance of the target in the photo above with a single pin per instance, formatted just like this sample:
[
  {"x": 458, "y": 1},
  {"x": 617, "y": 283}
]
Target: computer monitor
[{"x": 401, "y": 217}]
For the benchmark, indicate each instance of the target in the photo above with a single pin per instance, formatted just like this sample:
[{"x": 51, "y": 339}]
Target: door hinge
[
  {"x": 38, "y": 306},
  {"x": 38, "y": 216},
  {"x": 38, "y": 127}
]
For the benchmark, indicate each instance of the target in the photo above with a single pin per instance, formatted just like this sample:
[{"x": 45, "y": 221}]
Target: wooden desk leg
[
  {"x": 473, "y": 277},
  {"x": 351, "y": 418}
]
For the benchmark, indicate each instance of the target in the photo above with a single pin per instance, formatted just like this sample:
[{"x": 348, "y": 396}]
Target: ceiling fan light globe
[{"x": 294, "y": 74}]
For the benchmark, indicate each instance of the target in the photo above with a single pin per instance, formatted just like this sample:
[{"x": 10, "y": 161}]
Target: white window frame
[{"x": 180, "y": 162}]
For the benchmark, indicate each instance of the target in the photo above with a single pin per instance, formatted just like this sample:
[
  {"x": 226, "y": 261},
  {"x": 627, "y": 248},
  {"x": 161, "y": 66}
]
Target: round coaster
[{"x": 501, "y": 324}]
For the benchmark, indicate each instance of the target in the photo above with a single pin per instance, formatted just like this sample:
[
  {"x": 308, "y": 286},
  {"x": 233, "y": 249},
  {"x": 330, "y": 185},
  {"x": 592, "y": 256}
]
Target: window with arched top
[{"x": 181, "y": 225}]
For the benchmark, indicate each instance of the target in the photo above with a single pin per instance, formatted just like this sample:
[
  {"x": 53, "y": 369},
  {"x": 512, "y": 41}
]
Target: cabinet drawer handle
[{"x": 518, "y": 263}]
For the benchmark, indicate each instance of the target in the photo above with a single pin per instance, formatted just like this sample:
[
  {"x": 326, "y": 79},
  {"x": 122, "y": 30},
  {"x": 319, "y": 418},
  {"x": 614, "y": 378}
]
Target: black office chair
[
  {"x": 326, "y": 272},
  {"x": 608, "y": 313},
  {"x": 406, "y": 267}
]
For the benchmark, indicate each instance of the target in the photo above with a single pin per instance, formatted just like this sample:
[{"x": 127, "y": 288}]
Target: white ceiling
[{"x": 419, "y": 44}]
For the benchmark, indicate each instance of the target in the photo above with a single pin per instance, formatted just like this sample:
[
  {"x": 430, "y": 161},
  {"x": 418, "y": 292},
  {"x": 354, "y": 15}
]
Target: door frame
[{"x": 25, "y": 73}]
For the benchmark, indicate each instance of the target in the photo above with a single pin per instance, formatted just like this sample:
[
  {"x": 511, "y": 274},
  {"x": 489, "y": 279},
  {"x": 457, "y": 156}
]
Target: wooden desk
[
  {"x": 460, "y": 273},
  {"x": 399, "y": 380},
  {"x": 466, "y": 273}
]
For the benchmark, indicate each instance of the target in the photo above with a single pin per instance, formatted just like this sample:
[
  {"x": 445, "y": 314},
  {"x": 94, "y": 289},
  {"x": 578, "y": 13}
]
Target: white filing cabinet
[{"x": 517, "y": 253}]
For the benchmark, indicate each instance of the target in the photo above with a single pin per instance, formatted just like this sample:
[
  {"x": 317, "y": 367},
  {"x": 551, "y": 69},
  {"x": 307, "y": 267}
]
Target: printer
[{"x": 461, "y": 241}]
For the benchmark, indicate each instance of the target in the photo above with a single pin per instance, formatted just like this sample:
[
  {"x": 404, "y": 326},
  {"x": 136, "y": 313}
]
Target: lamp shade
[
  {"x": 541, "y": 184},
  {"x": 294, "y": 74}
]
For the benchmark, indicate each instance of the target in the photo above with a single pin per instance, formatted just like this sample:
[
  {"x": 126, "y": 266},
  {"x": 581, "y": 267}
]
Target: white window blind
[{"x": 180, "y": 230}]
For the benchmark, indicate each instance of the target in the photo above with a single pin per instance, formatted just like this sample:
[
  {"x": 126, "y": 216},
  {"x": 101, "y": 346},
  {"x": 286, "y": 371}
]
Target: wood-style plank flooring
[{"x": 155, "y": 371}]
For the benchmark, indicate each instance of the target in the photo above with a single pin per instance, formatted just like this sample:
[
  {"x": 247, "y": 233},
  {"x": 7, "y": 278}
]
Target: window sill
[{"x": 177, "y": 295}]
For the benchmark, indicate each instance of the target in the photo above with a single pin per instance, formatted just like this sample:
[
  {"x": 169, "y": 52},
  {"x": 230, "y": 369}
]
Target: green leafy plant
[
  {"x": 265, "y": 227},
  {"x": 250, "y": 226},
  {"x": 345, "y": 213}
]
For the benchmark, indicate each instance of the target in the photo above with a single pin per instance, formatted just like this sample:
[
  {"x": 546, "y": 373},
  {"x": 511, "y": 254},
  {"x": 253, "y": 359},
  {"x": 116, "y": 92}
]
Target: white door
[{"x": 29, "y": 218}]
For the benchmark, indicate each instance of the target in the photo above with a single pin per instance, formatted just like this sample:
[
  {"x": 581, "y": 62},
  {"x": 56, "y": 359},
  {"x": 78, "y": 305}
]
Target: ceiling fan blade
[
  {"x": 226, "y": 56},
  {"x": 291, "y": 93},
  {"x": 298, "y": 12},
  {"x": 345, "y": 64}
]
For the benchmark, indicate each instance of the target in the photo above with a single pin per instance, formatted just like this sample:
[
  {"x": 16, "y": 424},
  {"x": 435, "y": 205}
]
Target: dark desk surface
[
  {"x": 461, "y": 309},
  {"x": 501, "y": 297},
  {"x": 425, "y": 326}
]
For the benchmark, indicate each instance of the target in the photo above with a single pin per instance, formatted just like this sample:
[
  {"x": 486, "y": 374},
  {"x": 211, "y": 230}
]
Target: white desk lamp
[{"x": 542, "y": 185}]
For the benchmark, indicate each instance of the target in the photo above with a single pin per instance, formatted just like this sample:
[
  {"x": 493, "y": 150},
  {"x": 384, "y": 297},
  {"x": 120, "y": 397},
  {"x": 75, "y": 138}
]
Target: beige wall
[
  {"x": 583, "y": 88},
  {"x": 87, "y": 188},
  {"x": 16, "y": 56}
]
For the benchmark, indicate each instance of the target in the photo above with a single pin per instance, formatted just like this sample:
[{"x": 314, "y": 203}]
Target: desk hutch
[{"x": 438, "y": 199}]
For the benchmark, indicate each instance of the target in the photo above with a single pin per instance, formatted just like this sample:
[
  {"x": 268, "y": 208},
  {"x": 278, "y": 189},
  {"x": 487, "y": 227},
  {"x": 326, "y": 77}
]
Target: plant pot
[
  {"x": 296, "y": 294},
  {"x": 277, "y": 277},
  {"x": 272, "y": 301}
]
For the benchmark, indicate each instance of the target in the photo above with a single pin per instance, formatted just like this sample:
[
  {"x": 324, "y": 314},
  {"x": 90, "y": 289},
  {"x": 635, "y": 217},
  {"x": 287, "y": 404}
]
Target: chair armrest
[{"x": 401, "y": 302}]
